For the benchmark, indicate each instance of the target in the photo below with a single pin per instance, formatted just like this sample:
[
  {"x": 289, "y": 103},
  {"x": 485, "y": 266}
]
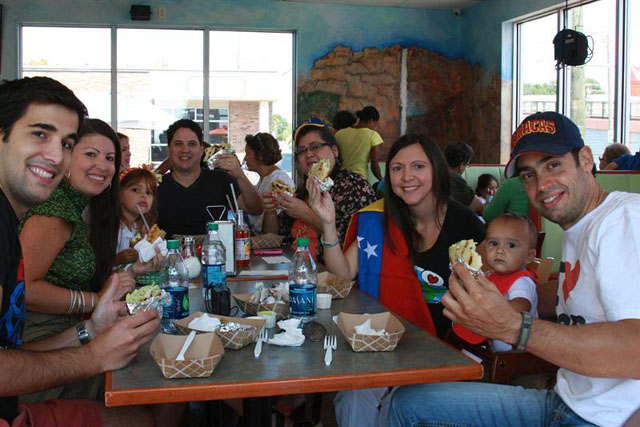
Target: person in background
[
  {"x": 598, "y": 304},
  {"x": 360, "y": 144},
  {"x": 125, "y": 151},
  {"x": 398, "y": 250},
  {"x": 314, "y": 141},
  {"x": 510, "y": 198},
  {"x": 625, "y": 161},
  {"x": 343, "y": 119},
  {"x": 486, "y": 187},
  {"x": 458, "y": 155},
  {"x": 39, "y": 121},
  {"x": 185, "y": 193},
  {"x": 262, "y": 154},
  {"x": 138, "y": 196},
  {"x": 610, "y": 153}
]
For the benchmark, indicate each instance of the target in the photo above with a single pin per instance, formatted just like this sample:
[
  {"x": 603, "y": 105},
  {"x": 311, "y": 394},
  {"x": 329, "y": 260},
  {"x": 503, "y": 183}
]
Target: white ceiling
[{"x": 422, "y": 4}]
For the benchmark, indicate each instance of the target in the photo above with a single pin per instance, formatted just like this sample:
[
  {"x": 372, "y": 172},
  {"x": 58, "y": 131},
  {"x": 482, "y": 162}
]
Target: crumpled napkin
[
  {"x": 204, "y": 323},
  {"x": 146, "y": 250},
  {"x": 365, "y": 329},
  {"x": 292, "y": 336}
]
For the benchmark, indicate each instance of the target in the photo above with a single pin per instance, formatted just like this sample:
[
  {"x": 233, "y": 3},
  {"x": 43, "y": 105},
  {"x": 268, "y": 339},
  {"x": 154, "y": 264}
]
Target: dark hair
[
  {"x": 327, "y": 136},
  {"x": 132, "y": 177},
  {"x": 104, "y": 209},
  {"x": 396, "y": 210},
  {"x": 457, "y": 153},
  {"x": 367, "y": 114},
  {"x": 575, "y": 152},
  {"x": 483, "y": 182},
  {"x": 17, "y": 95},
  {"x": 532, "y": 231},
  {"x": 344, "y": 119},
  {"x": 184, "y": 123},
  {"x": 265, "y": 146},
  {"x": 121, "y": 135}
]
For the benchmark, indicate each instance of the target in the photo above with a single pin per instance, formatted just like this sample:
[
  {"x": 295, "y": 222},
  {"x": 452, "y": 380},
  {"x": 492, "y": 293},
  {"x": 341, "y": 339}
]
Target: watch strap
[
  {"x": 83, "y": 334},
  {"x": 525, "y": 331}
]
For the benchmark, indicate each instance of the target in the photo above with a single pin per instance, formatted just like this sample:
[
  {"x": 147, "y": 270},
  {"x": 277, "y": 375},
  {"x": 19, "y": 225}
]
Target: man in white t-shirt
[{"x": 596, "y": 342}]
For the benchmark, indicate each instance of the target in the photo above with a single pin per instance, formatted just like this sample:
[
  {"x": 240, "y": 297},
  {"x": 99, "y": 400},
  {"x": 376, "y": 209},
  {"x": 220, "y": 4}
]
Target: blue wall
[{"x": 319, "y": 27}]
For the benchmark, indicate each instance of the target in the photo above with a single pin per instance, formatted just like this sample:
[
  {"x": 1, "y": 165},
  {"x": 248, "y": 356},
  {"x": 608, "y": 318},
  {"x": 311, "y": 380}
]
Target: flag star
[
  {"x": 371, "y": 250},
  {"x": 360, "y": 239}
]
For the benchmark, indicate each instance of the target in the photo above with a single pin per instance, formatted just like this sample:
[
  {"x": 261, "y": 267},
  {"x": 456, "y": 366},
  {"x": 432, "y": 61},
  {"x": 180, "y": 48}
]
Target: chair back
[{"x": 542, "y": 267}]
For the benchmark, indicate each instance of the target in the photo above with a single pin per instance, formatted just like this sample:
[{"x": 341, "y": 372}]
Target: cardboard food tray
[
  {"x": 230, "y": 339},
  {"x": 266, "y": 241},
  {"x": 338, "y": 287},
  {"x": 386, "y": 321},
  {"x": 251, "y": 308},
  {"x": 201, "y": 358}
]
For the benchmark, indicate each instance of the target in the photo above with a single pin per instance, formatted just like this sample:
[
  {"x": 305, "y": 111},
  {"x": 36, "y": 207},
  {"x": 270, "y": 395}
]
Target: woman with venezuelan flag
[{"x": 398, "y": 249}]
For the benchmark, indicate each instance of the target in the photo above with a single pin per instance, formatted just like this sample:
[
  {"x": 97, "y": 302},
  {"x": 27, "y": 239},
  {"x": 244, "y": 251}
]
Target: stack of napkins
[
  {"x": 146, "y": 250},
  {"x": 365, "y": 329},
  {"x": 292, "y": 335},
  {"x": 204, "y": 323}
]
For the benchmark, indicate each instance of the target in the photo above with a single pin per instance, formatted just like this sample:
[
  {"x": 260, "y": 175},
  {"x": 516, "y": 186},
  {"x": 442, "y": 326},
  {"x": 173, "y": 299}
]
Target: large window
[
  {"x": 598, "y": 98},
  {"x": 160, "y": 77}
]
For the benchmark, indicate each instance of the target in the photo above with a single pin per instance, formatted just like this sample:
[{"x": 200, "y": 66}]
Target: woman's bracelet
[{"x": 329, "y": 244}]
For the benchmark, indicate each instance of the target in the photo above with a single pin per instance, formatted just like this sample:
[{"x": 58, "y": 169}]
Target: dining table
[{"x": 418, "y": 358}]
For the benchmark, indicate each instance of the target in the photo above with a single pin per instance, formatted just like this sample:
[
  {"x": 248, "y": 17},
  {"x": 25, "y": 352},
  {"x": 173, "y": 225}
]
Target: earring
[{"x": 106, "y": 190}]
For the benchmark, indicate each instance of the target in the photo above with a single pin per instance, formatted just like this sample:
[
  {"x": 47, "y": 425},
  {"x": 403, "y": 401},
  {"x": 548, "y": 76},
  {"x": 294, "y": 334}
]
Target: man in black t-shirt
[
  {"x": 189, "y": 195},
  {"x": 39, "y": 123}
]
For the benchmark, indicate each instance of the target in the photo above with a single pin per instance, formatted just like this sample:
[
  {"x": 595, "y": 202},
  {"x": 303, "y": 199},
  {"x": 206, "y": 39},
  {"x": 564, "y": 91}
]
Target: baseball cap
[
  {"x": 312, "y": 121},
  {"x": 548, "y": 133}
]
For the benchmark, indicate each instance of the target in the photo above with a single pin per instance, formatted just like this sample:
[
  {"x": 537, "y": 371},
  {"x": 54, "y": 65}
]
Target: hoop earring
[{"x": 106, "y": 190}]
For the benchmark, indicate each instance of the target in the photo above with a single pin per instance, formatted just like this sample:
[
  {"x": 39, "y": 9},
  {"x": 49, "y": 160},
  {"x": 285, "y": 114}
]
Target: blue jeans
[{"x": 479, "y": 404}]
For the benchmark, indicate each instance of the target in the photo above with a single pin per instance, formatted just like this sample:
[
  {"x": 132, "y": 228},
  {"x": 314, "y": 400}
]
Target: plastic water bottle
[
  {"x": 174, "y": 280},
  {"x": 303, "y": 280},
  {"x": 216, "y": 295}
]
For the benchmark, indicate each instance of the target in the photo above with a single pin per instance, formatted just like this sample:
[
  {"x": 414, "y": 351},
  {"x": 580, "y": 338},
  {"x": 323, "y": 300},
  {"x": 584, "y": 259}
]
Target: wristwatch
[
  {"x": 83, "y": 334},
  {"x": 525, "y": 331}
]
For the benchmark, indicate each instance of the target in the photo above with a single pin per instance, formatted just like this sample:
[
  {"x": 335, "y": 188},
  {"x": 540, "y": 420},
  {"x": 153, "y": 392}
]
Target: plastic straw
[
  {"x": 235, "y": 199},
  {"x": 230, "y": 205},
  {"x": 146, "y": 224}
]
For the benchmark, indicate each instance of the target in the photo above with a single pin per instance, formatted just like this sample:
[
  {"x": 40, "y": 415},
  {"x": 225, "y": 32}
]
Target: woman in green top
[{"x": 510, "y": 198}]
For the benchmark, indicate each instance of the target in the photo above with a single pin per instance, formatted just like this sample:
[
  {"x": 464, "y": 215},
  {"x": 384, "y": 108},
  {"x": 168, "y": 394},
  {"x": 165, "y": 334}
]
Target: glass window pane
[
  {"x": 251, "y": 79},
  {"x": 591, "y": 87},
  {"x": 159, "y": 81},
  {"x": 538, "y": 76},
  {"x": 633, "y": 54},
  {"x": 85, "y": 69}
]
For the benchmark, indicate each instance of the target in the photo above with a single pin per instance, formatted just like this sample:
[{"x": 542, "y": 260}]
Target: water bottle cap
[
  {"x": 212, "y": 226},
  {"x": 173, "y": 244},
  {"x": 303, "y": 241}
]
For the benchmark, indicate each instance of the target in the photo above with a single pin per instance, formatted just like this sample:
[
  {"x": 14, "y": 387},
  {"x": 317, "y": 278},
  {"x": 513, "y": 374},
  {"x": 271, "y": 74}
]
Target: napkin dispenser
[{"x": 226, "y": 233}]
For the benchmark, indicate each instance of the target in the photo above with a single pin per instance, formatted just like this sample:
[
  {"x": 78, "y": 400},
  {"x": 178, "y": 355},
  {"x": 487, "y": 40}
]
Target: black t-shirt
[
  {"x": 183, "y": 210},
  {"x": 460, "y": 190},
  {"x": 432, "y": 266},
  {"x": 12, "y": 311}
]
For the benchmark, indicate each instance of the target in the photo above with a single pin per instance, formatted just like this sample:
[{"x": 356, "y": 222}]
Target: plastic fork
[
  {"x": 263, "y": 337},
  {"x": 330, "y": 343}
]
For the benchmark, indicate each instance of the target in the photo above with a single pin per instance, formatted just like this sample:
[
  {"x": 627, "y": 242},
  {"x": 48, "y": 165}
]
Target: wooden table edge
[{"x": 230, "y": 390}]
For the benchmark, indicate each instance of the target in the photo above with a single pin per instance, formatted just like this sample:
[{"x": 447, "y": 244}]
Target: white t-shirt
[
  {"x": 264, "y": 186},
  {"x": 124, "y": 237},
  {"x": 523, "y": 287},
  {"x": 600, "y": 282}
]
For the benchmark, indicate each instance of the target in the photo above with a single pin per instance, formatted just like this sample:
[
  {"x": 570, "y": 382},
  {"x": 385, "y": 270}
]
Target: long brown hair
[{"x": 396, "y": 209}]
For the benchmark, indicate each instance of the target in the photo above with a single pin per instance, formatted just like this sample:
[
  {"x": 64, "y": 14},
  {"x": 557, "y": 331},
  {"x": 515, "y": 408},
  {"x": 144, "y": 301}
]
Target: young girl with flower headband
[{"x": 138, "y": 194}]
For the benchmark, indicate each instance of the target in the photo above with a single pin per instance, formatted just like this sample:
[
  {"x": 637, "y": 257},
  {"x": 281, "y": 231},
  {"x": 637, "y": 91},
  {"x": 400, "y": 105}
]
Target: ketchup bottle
[{"x": 243, "y": 244}]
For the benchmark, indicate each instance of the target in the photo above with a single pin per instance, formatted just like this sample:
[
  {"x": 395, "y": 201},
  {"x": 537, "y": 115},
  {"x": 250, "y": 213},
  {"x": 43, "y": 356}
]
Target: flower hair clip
[{"x": 148, "y": 168}]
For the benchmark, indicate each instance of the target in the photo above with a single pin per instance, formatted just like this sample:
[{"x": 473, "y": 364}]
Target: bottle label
[
  {"x": 243, "y": 248},
  {"x": 176, "y": 304},
  {"x": 213, "y": 275},
  {"x": 302, "y": 299}
]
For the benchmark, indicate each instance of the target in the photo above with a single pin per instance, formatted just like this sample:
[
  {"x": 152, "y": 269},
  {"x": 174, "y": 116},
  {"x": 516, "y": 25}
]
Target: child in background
[
  {"x": 510, "y": 244},
  {"x": 138, "y": 188},
  {"x": 486, "y": 187}
]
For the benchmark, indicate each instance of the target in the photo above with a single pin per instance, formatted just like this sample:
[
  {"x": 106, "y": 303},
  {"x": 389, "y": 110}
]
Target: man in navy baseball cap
[{"x": 548, "y": 133}]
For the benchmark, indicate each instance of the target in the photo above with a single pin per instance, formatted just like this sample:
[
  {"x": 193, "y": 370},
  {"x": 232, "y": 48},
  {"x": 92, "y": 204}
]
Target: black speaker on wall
[{"x": 140, "y": 12}]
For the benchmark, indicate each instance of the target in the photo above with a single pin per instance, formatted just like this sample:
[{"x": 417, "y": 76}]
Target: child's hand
[{"x": 127, "y": 256}]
